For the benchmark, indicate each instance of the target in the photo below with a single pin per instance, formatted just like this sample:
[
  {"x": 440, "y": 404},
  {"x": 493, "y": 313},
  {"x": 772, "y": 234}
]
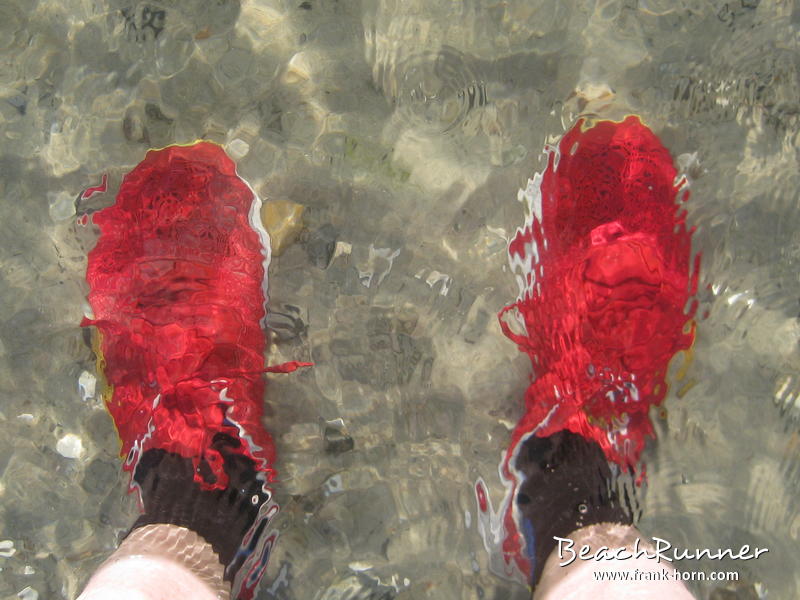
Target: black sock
[
  {"x": 222, "y": 517},
  {"x": 566, "y": 484}
]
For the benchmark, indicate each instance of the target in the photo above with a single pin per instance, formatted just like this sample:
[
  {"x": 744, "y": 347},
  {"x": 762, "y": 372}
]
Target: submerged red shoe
[
  {"x": 177, "y": 286},
  {"x": 606, "y": 275},
  {"x": 605, "y": 261}
]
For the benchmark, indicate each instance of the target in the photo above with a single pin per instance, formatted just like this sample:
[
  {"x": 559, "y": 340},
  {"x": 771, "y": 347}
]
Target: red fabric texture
[
  {"x": 176, "y": 289},
  {"x": 606, "y": 304}
]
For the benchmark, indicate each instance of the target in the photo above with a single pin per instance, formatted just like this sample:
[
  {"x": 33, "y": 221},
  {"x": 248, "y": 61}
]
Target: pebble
[
  {"x": 321, "y": 245},
  {"x": 28, "y": 593},
  {"x": 337, "y": 439},
  {"x": 70, "y": 446},
  {"x": 283, "y": 220},
  {"x": 62, "y": 205},
  {"x": 238, "y": 149},
  {"x": 7, "y": 549},
  {"x": 87, "y": 385}
]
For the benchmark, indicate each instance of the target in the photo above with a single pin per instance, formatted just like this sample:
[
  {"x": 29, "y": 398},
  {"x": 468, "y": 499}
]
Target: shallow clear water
[{"x": 405, "y": 129}]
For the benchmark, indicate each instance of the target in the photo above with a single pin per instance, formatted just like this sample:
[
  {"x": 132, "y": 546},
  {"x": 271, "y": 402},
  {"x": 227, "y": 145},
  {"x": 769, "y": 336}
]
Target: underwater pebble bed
[{"x": 391, "y": 138}]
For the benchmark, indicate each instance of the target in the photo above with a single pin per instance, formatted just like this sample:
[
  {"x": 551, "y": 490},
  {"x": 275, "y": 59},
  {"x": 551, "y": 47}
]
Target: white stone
[
  {"x": 28, "y": 593},
  {"x": 7, "y": 549},
  {"x": 70, "y": 446},
  {"x": 299, "y": 69},
  {"x": 87, "y": 384},
  {"x": 238, "y": 149}
]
